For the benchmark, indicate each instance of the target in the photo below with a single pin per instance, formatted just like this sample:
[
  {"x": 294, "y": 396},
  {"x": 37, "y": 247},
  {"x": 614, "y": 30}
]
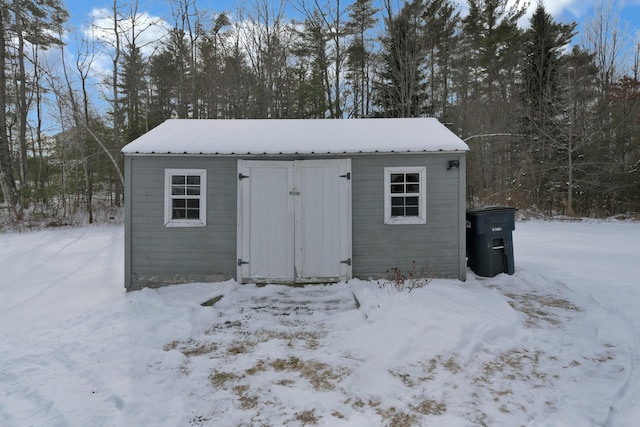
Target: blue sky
[
  {"x": 81, "y": 12},
  {"x": 562, "y": 10}
]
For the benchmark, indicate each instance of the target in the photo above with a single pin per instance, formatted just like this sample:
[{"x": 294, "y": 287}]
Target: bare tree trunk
[
  {"x": 39, "y": 186},
  {"x": 7, "y": 181},
  {"x": 81, "y": 118},
  {"x": 21, "y": 92},
  {"x": 116, "y": 99},
  {"x": 336, "y": 32},
  {"x": 21, "y": 104},
  {"x": 193, "y": 49}
]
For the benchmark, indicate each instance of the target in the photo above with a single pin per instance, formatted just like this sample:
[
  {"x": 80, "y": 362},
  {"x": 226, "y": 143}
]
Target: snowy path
[
  {"x": 599, "y": 261},
  {"x": 75, "y": 268},
  {"x": 556, "y": 344},
  {"x": 53, "y": 285}
]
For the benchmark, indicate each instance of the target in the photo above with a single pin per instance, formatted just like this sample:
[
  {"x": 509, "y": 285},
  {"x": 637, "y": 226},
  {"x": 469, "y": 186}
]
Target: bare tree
[
  {"x": 80, "y": 109},
  {"x": 607, "y": 38},
  {"x": 635, "y": 72},
  {"x": 266, "y": 39},
  {"x": 120, "y": 30},
  {"x": 117, "y": 126},
  {"x": 331, "y": 15},
  {"x": 20, "y": 79},
  {"x": 7, "y": 179},
  {"x": 187, "y": 22}
]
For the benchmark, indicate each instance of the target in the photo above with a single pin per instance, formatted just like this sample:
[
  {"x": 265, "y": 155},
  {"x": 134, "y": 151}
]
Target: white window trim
[
  {"x": 422, "y": 208},
  {"x": 202, "y": 221}
]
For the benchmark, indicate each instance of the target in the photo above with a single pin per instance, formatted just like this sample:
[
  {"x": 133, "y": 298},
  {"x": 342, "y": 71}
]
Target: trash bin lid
[{"x": 491, "y": 209}]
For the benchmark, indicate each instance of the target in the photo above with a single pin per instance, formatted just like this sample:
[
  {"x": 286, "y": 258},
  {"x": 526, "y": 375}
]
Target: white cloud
[
  {"x": 149, "y": 31},
  {"x": 575, "y": 8}
]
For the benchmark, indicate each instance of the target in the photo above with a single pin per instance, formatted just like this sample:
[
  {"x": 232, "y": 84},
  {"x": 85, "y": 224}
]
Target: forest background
[{"x": 550, "y": 111}]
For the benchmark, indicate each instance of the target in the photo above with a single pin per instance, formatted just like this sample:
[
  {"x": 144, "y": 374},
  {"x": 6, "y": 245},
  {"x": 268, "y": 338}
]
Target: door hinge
[
  {"x": 294, "y": 193},
  {"x": 241, "y": 176},
  {"x": 346, "y": 175},
  {"x": 241, "y": 262},
  {"x": 346, "y": 261}
]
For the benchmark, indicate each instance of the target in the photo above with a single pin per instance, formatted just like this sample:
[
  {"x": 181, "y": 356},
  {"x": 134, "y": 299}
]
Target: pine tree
[
  {"x": 543, "y": 107},
  {"x": 442, "y": 27},
  {"x": 212, "y": 52},
  {"x": 23, "y": 23},
  {"x": 401, "y": 89},
  {"x": 485, "y": 84},
  {"x": 362, "y": 17},
  {"x": 133, "y": 87},
  {"x": 312, "y": 92}
]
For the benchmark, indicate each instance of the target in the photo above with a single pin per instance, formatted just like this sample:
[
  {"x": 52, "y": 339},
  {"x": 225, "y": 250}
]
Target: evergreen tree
[
  {"x": 362, "y": 17},
  {"x": 486, "y": 77},
  {"x": 162, "y": 76},
  {"x": 578, "y": 129},
  {"x": 442, "y": 28},
  {"x": 213, "y": 49},
  {"x": 23, "y": 23},
  {"x": 543, "y": 105},
  {"x": 239, "y": 87},
  {"x": 620, "y": 171},
  {"x": 170, "y": 75},
  {"x": 312, "y": 93},
  {"x": 133, "y": 86},
  {"x": 401, "y": 88}
]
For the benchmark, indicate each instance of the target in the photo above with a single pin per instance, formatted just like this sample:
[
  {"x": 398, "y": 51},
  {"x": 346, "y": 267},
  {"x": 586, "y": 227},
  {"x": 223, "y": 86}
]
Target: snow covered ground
[{"x": 556, "y": 344}]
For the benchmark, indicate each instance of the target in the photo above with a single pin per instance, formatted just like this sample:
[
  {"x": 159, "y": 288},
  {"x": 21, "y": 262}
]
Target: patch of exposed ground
[
  {"x": 541, "y": 310},
  {"x": 494, "y": 382}
]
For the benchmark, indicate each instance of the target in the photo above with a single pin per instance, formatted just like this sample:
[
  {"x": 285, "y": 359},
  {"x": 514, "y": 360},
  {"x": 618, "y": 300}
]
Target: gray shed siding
[
  {"x": 434, "y": 246},
  {"x": 156, "y": 255},
  {"x": 161, "y": 255}
]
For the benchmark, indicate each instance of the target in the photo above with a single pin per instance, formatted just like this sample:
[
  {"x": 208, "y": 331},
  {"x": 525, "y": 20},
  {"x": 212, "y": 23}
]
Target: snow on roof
[{"x": 296, "y": 136}]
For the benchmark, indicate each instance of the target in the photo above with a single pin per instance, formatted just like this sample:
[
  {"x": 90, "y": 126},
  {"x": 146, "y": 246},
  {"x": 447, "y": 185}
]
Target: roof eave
[{"x": 301, "y": 153}]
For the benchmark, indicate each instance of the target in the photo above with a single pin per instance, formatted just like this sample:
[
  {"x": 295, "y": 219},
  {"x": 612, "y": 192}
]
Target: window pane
[
  {"x": 397, "y": 211},
  {"x": 193, "y": 203},
  {"x": 397, "y": 188},
  {"x": 177, "y": 190},
  {"x": 412, "y": 211},
  {"x": 411, "y": 201},
  {"x": 405, "y": 206},
  {"x": 193, "y": 190},
  {"x": 397, "y": 177},
  {"x": 413, "y": 177},
  {"x": 397, "y": 201},
  {"x": 178, "y": 213},
  {"x": 193, "y": 213},
  {"x": 179, "y": 203},
  {"x": 413, "y": 188},
  {"x": 193, "y": 180},
  {"x": 177, "y": 179}
]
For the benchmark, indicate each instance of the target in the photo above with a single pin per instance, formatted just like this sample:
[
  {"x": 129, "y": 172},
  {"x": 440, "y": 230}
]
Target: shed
[{"x": 293, "y": 201}]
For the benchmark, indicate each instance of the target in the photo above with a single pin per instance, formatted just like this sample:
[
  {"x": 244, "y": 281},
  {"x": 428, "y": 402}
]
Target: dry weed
[
  {"x": 429, "y": 407},
  {"x": 219, "y": 379},
  {"x": 308, "y": 417},
  {"x": 394, "y": 418}
]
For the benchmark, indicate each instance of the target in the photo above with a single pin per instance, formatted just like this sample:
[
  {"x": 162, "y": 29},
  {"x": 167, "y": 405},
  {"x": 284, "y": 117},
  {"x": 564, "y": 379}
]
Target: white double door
[{"x": 294, "y": 220}]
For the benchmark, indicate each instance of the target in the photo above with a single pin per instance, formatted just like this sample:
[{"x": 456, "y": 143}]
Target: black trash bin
[{"x": 490, "y": 241}]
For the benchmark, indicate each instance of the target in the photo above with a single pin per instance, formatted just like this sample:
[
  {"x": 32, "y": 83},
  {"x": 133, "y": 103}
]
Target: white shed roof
[{"x": 296, "y": 136}]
